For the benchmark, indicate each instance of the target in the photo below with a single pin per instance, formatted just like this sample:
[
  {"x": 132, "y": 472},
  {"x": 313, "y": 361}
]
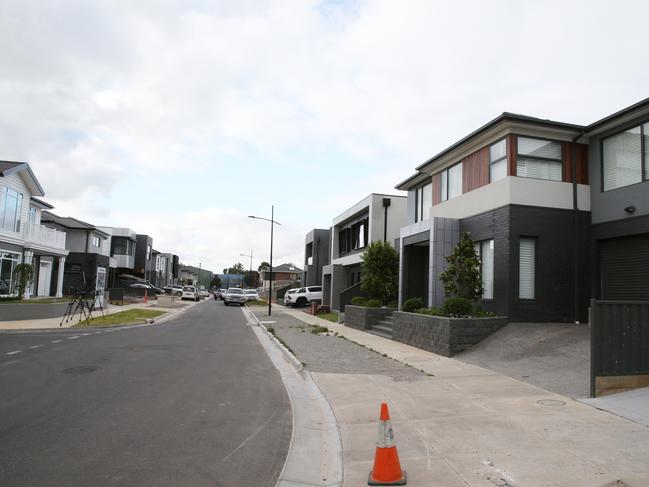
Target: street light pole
[{"x": 272, "y": 224}]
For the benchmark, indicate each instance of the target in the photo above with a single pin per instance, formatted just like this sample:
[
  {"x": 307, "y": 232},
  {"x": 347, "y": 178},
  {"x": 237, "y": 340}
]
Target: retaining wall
[{"x": 363, "y": 318}]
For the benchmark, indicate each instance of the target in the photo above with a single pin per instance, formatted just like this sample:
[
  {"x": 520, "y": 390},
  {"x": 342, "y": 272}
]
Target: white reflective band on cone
[{"x": 386, "y": 435}]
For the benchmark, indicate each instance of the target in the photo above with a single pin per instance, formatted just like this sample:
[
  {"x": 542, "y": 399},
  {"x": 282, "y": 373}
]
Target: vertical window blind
[
  {"x": 485, "y": 251},
  {"x": 527, "y": 268}
]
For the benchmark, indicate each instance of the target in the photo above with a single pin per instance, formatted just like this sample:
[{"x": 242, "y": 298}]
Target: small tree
[
  {"x": 264, "y": 266},
  {"x": 24, "y": 274},
  {"x": 462, "y": 276},
  {"x": 251, "y": 279},
  {"x": 236, "y": 269},
  {"x": 216, "y": 282},
  {"x": 380, "y": 272}
]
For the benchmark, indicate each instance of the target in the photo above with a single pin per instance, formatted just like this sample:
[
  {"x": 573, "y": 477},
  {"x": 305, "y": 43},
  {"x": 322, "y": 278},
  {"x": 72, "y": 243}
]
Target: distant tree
[
  {"x": 380, "y": 272},
  {"x": 216, "y": 282},
  {"x": 251, "y": 279},
  {"x": 236, "y": 269},
  {"x": 264, "y": 266},
  {"x": 462, "y": 275}
]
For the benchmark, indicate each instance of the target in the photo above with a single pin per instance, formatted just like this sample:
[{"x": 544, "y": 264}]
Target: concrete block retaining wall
[
  {"x": 444, "y": 336},
  {"x": 363, "y": 318}
]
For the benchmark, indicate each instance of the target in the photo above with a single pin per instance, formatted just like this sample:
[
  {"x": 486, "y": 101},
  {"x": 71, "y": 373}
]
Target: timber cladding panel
[
  {"x": 581, "y": 163},
  {"x": 437, "y": 189},
  {"x": 475, "y": 170}
]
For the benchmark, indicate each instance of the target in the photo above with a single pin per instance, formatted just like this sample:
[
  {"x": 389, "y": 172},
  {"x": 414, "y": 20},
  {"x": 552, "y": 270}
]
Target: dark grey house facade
[
  {"x": 144, "y": 261},
  {"x": 618, "y": 154},
  {"x": 316, "y": 255},
  {"x": 519, "y": 187}
]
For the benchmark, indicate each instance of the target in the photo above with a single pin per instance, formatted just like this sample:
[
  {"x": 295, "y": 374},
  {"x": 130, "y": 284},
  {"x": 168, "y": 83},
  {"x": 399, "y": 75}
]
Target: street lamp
[{"x": 272, "y": 224}]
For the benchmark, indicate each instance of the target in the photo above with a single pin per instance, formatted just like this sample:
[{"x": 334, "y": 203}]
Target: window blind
[
  {"x": 540, "y": 159},
  {"x": 455, "y": 181},
  {"x": 622, "y": 159},
  {"x": 527, "y": 264}
]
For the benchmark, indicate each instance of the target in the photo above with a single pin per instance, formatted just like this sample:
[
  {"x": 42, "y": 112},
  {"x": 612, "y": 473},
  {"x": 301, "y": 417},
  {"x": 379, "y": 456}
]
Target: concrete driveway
[{"x": 553, "y": 356}]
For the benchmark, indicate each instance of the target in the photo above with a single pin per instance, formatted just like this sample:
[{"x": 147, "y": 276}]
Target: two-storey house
[
  {"x": 22, "y": 237},
  {"x": 377, "y": 217},
  {"x": 519, "y": 186},
  {"x": 89, "y": 258},
  {"x": 122, "y": 251},
  {"x": 316, "y": 256}
]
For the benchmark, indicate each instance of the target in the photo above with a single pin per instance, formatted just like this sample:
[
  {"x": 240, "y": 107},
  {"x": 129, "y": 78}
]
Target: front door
[{"x": 44, "y": 278}]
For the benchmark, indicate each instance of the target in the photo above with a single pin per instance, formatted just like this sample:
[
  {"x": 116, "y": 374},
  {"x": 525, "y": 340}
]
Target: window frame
[
  {"x": 419, "y": 200},
  {"x": 539, "y": 158},
  {"x": 644, "y": 174},
  {"x": 479, "y": 244},
  {"x": 503, "y": 158},
  {"x": 536, "y": 266},
  {"x": 447, "y": 171}
]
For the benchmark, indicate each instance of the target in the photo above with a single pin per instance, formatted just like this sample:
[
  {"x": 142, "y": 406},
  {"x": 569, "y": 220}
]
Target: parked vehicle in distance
[
  {"x": 304, "y": 296},
  {"x": 203, "y": 293},
  {"x": 220, "y": 294},
  {"x": 189, "y": 292},
  {"x": 288, "y": 293},
  {"x": 176, "y": 290},
  {"x": 234, "y": 295},
  {"x": 251, "y": 294}
]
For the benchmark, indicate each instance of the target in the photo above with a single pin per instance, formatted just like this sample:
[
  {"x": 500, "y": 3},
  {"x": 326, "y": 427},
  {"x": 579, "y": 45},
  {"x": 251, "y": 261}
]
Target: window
[
  {"x": 451, "y": 182},
  {"x": 353, "y": 237},
  {"x": 32, "y": 214},
  {"x": 625, "y": 158},
  {"x": 95, "y": 241},
  {"x": 526, "y": 268},
  {"x": 485, "y": 252},
  {"x": 122, "y": 246},
  {"x": 344, "y": 241},
  {"x": 148, "y": 252},
  {"x": 8, "y": 262},
  {"x": 11, "y": 205},
  {"x": 423, "y": 202},
  {"x": 540, "y": 159},
  {"x": 498, "y": 161}
]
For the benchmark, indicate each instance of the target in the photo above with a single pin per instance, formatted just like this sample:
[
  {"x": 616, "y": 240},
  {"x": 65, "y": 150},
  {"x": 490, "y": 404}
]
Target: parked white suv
[
  {"x": 304, "y": 296},
  {"x": 190, "y": 292}
]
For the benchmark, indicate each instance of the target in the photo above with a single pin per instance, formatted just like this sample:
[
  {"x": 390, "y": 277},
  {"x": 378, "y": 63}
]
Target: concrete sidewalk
[
  {"x": 467, "y": 426},
  {"x": 56, "y": 322}
]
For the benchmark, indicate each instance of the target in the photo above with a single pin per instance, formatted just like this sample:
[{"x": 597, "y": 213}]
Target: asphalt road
[{"x": 190, "y": 402}]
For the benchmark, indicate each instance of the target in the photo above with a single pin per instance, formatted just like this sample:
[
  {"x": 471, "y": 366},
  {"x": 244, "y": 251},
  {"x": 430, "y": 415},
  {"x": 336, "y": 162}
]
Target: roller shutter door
[{"x": 625, "y": 268}]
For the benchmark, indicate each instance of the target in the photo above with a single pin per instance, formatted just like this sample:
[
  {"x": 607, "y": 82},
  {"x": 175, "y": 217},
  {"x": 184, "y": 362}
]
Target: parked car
[
  {"x": 251, "y": 295},
  {"x": 203, "y": 293},
  {"x": 220, "y": 294},
  {"x": 176, "y": 290},
  {"x": 190, "y": 292},
  {"x": 288, "y": 293},
  {"x": 303, "y": 296},
  {"x": 234, "y": 295}
]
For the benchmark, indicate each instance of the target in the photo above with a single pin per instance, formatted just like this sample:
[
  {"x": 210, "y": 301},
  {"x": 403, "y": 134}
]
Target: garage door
[{"x": 625, "y": 268}]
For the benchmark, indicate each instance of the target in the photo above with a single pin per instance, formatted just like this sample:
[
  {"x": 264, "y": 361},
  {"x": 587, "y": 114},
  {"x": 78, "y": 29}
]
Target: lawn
[
  {"x": 257, "y": 302},
  {"x": 129, "y": 317},
  {"x": 333, "y": 317}
]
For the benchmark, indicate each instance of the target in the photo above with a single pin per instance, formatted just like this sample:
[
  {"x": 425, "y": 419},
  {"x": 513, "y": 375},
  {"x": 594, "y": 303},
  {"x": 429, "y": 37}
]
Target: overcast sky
[{"x": 180, "y": 118}]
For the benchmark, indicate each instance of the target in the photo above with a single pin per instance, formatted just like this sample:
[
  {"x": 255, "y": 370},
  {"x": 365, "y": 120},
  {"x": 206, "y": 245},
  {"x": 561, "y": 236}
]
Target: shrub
[
  {"x": 393, "y": 305},
  {"x": 462, "y": 275},
  {"x": 431, "y": 312},
  {"x": 359, "y": 301},
  {"x": 457, "y": 306},
  {"x": 380, "y": 271},
  {"x": 412, "y": 304},
  {"x": 373, "y": 303}
]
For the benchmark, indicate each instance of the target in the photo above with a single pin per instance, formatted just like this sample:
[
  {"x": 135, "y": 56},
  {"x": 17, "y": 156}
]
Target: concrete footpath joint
[{"x": 315, "y": 452}]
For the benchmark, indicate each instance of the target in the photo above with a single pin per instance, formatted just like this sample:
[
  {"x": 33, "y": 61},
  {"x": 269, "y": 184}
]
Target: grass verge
[
  {"x": 257, "y": 302},
  {"x": 129, "y": 317},
  {"x": 65, "y": 299},
  {"x": 316, "y": 330},
  {"x": 333, "y": 317}
]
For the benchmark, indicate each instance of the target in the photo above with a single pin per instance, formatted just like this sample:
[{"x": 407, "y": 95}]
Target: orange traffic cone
[
  {"x": 387, "y": 469},
  {"x": 146, "y": 299}
]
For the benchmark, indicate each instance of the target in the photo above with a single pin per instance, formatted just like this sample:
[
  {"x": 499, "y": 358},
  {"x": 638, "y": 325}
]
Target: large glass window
[
  {"x": 540, "y": 159},
  {"x": 11, "y": 205},
  {"x": 122, "y": 246},
  {"x": 485, "y": 251},
  {"x": 423, "y": 202},
  {"x": 498, "y": 161},
  {"x": 622, "y": 158},
  {"x": 451, "y": 181},
  {"x": 526, "y": 268},
  {"x": 8, "y": 262}
]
